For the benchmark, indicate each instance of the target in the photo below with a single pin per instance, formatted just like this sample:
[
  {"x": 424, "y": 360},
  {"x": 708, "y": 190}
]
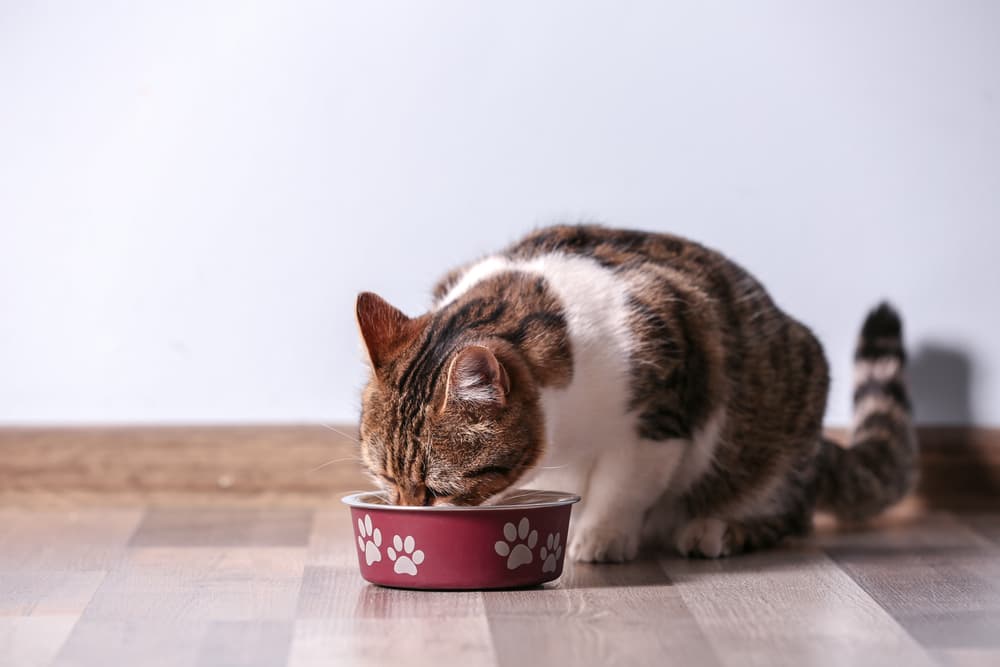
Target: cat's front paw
[{"x": 606, "y": 542}]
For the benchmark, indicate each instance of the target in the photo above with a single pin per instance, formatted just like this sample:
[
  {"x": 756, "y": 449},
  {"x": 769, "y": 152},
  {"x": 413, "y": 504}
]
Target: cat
[{"x": 646, "y": 373}]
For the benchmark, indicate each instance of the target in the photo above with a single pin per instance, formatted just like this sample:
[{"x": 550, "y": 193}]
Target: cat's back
[
  {"x": 614, "y": 248},
  {"x": 609, "y": 256},
  {"x": 649, "y": 311},
  {"x": 641, "y": 259},
  {"x": 602, "y": 271}
]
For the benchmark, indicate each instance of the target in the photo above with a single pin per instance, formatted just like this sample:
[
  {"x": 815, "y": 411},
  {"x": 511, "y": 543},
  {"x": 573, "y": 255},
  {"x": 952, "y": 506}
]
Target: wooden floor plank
[
  {"x": 937, "y": 577},
  {"x": 51, "y": 540},
  {"x": 38, "y": 610},
  {"x": 224, "y": 527},
  {"x": 33, "y": 641},
  {"x": 246, "y": 644},
  {"x": 597, "y": 615},
  {"x": 985, "y": 524},
  {"x": 329, "y": 592},
  {"x": 47, "y": 593},
  {"x": 164, "y": 605},
  {"x": 231, "y": 584},
  {"x": 965, "y": 657},
  {"x": 331, "y": 531},
  {"x": 98, "y": 642},
  {"x": 790, "y": 606},
  {"x": 376, "y": 642},
  {"x": 256, "y": 587}
]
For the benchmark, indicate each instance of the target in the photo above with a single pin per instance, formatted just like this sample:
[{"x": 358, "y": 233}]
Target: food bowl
[{"x": 521, "y": 542}]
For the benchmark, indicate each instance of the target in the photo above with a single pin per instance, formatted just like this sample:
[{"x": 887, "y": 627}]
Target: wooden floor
[{"x": 247, "y": 585}]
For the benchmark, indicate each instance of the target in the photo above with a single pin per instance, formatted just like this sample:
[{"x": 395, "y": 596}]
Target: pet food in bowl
[{"x": 521, "y": 542}]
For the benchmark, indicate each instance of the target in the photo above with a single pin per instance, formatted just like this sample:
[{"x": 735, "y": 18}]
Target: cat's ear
[
  {"x": 477, "y": 376},
  {"x": 384, "y": 328}
]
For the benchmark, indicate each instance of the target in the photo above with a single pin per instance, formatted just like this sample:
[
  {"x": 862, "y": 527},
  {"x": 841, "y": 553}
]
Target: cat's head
[{"x": 445, "y": 418}]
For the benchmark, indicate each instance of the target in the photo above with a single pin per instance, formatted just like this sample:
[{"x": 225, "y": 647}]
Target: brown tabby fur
[
  {"x": 429, "y": 446},
  {"x": 452, "y": 413}
]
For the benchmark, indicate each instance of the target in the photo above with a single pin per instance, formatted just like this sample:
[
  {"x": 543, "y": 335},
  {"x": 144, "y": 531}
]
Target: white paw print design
[
  {"x": 519, "y": 554},
  {"x": 550, "y": 553},
  {"x": 405, "y": 558},
  {"x": 369, "y": 547}
]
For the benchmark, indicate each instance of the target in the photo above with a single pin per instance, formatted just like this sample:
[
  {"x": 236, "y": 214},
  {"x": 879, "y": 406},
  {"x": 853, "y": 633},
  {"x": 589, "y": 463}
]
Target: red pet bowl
[{"x": 521, "y": 542}]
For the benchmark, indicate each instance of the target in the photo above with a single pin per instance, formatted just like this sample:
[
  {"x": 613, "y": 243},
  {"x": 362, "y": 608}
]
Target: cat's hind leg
[
  {"x": 710, "y": 537},
  {"x": 707, "y": 537}
]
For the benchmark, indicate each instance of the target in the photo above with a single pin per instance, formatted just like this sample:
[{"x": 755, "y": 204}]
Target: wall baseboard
[
  {"x": 293, "y": 464},
  {"x": 266, "y": 463}
]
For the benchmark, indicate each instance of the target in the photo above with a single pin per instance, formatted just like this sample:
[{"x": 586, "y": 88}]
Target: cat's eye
[{"x": 488, "y": 470}]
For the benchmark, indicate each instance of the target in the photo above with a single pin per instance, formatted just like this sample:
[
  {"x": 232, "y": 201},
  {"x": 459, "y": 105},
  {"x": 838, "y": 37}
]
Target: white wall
[{"x": 191, "y": 194}]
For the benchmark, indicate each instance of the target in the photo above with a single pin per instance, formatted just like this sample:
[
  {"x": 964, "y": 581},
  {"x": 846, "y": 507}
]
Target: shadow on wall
[
  {"x": 954, "y": 455},
  {"x": 940, "y": 379}
]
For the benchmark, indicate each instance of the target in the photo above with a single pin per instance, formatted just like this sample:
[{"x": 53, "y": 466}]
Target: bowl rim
[{"x": 558, "y": 499}]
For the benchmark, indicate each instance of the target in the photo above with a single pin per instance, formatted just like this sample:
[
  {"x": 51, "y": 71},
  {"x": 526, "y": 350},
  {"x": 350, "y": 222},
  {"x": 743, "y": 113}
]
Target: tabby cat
[{"x": 645, "y": 372}]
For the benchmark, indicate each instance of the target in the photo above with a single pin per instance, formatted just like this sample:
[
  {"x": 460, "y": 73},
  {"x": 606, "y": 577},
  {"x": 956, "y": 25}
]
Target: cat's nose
[{"x": 414, "y": 494}]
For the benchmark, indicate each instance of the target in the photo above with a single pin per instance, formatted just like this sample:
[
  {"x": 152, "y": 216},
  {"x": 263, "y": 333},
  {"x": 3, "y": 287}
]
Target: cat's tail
[{"x": 879, "y": 466}]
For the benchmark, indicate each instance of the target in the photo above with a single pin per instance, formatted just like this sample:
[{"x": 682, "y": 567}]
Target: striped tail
[{"x": 880, "y": 465}]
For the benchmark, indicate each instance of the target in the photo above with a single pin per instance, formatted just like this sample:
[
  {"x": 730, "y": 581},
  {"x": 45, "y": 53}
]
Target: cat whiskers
[
  {"x": 565, "y": 465},
  {"x": 339, "y": 432},
  {"x": 523, "y": 493},
  {"x": 356, "y": 459}
]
